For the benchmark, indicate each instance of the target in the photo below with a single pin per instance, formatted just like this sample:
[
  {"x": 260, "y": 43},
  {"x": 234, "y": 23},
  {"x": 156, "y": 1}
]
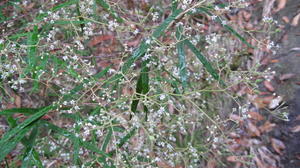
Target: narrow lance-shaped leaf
[
  {"x": 72, "y": 136},
  {"x": 28, "y": 153},
  {"x": 141, "y": 50},
  {"x": 142, "y": 86},
  {"x": 226, "y": 26},
  {"x": 127, "y": 137},
  {"x": 65, "y": 4},
  {"x": 107, "y": 139},
  {"x": 25, "y": 111},
  {"x": 204, "y": 61},
  {"x": 24, "y": 124},
  {"x": 8, "y": 146},
  {"x": 181, "y": 56},
  {"x": 32, "y": 48}
]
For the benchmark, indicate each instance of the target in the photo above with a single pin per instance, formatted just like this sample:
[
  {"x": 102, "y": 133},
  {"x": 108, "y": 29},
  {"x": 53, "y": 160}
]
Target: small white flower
[
  {"x": 162, "y": 97},
  {"x": 136, "y": 31},
  {"x": 65, "y": 58},
  {"x": 148, "y": 41}
]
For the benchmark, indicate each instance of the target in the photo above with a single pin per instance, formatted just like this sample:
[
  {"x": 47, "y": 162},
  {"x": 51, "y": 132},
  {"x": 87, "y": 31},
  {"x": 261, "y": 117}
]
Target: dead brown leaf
[
  {"x": 296, "y": 128},
  {"x": 98, "y": 39},
  {"x": 295, "y": 20},
  {"x": 298, "y": 118},
  {"x": 163, "y": 164},
  {"x": 285, "y": 19},
  {"x": 277, "y": 145},
  {"x": 253, "y": 129},
  {"x": 234, "y": 147},
  {"x": 280, "y": 5},
  {"x": 233, "y": 159},
  {"x": 262, "y": 102},
  {"x": 247, "y": 15},
  {"x": 269, "y": 86},
  {"x": 212, "y": 163},
  {"x": 133, "y": 43},
  {"x": 267, "y": 127},
  {"x": 286, "y": 76},
  {"x": 274, "y": 61},
  {"x": 256, "y": 116},
  {"x": 275, "y": 102},
  {"x": 17, "y": 101},
  {"x": 236, "y": 118}
]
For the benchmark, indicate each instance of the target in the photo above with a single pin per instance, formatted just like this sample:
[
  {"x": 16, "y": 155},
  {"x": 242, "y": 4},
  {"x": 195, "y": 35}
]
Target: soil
[{"x": 289, "y": 63}]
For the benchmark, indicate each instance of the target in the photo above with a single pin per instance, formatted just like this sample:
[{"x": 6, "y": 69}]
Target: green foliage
[{"x": 91, "y": 105}]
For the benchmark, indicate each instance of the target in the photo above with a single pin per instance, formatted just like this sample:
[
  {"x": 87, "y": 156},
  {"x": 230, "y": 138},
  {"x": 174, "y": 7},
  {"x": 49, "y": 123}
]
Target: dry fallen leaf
[
  {"x": 277, "y": 145},
  {"x": 275, "y": 102},
  {"x": 253, "y": 129},
  {"x": 269, "y": 86},
  {"x": 280, "y": 5},
  {"x": 286, "y": 19},
  {"x": 212, "y": 163},
  {"x": 233, "y": 159},
  {"x": 262, "y": 102},
  {"x": 98, "y": 39},
  {"x": 296, "y": 128},
  {"x": 286, "y": 76},
  {"x": 267, "y": 127},
  {"x": 298, "y": 118},
  {"x": 295, "y": 20},
  {"x": 236, "y": 118},
  {"x": 247, "y": 15},
  {"x": 256, "y": 116},
  {"x": 17, "y": 101},
  {"x": 162, "y": 164}
]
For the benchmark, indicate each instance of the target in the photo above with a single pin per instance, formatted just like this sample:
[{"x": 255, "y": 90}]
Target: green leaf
[
  {"x": 36, "y": 159},
  {"x": 27, "y": 122},
  {"x": 162, "y": 27},
  {"x": 126, "y": 137},
  {"x": 234, "y": 32},
  {"x": 204, "y": 61},
  {"x": 107, "y": 139},
  {"x": 141, "y": 50},
  {"x": 62, "y": 5},
  {"x": 32, "y": 48},
  {"x": 229, "y": 28},
  {"x": 28, "y": 154},
  {"x": 181, "y": 56},
  {"x": 108, "y": 8},
  {"x": 72, "y": 137},
  {"x": 79, "y": 87},
  {"x": 25, "y": 111},
  {"x": 142, "y": 86},
  {"x": 8, "y": 146},
  {"x": 76, "y": 146},
  {"x": 174, "y": 5}
]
